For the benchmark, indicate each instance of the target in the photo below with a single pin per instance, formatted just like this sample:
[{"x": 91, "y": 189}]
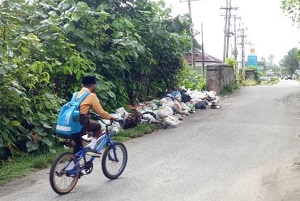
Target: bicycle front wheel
[
  {"x": 114, "y": 161},
  {"x": 63, "y": 173}
]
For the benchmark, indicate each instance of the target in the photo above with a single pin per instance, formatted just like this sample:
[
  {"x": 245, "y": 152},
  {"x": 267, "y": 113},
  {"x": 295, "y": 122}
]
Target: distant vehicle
[
  {"x": 288, "y": 77},
  {"x": 270, "y": 74}
]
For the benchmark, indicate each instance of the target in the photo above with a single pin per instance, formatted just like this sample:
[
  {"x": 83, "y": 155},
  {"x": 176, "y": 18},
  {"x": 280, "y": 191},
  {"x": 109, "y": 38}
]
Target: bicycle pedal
[{"x": 80, "y": 174}]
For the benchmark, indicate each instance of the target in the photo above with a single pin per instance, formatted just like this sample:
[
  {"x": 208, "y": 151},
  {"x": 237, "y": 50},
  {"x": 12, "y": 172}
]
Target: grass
[
  {"x": 250, "y": 83},
  {"x": 229, "y": 88},
  {"x": 25, "y": 164}
]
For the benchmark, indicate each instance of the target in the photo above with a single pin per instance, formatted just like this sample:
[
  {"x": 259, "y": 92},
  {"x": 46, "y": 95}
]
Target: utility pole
[
  {"x": 227, "y": 32},
  {"x": 235, "y": 51},
  {"x": 242, "y": 43},
  {"x": 192, "y": 30},
  {"x": 202, "y": 51},
  {"x": 228, "y": 28}
]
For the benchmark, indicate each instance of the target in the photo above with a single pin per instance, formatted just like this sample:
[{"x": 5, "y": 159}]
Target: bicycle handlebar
[{"x": 98, "y": 117}]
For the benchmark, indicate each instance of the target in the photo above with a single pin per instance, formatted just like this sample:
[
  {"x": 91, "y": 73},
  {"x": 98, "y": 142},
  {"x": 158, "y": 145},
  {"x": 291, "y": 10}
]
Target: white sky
[{"x": 269, "y": 31}]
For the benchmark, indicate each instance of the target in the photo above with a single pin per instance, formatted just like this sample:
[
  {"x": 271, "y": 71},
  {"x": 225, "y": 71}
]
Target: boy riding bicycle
[{"x": 90, "y": 102}]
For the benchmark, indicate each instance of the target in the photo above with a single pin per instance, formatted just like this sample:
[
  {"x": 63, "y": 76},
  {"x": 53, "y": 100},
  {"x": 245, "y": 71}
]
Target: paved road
[{"x": 236, "y": 153}]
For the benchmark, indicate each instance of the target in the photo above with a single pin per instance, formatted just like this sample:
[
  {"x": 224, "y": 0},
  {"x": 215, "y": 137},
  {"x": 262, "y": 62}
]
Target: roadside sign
[{"x": 252, "y": 60}]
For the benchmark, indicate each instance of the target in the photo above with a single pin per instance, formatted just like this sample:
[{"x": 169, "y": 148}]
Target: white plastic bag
[{"x": 164, "y": 111}]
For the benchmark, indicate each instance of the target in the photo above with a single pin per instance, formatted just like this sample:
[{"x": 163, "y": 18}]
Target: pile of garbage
[{"x": 169, "y": 110}]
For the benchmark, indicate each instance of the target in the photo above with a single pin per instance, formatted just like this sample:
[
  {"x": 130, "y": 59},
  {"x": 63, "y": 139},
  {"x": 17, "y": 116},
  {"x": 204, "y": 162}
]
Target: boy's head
[{"x": 89, "y": 81}]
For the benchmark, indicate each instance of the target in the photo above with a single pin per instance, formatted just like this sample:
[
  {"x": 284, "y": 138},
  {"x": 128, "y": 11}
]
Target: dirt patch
[
  {"x": 290, "y": 103},
  {"x": 280, "y": 182}
]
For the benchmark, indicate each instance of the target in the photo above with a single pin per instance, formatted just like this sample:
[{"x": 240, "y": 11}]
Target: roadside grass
[
  {"x": 274, "y": 80},
  {"x": 250, "y": 83},
  {"x": 230, "y": 88},
  {"x": 25, "y": 164}
]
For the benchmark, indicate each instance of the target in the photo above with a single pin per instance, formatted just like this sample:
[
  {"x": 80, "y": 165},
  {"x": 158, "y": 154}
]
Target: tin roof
[{"x": 198, "y": 57}]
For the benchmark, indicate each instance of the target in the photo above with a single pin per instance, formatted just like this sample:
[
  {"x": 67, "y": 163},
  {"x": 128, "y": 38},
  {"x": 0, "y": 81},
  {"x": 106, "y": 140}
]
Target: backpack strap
[
  {"x": 74, "y": 97},
  {"x": 83, "y": 96}
]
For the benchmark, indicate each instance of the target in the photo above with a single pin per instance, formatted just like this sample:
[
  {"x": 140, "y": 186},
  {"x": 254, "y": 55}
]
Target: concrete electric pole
[
  {"x": 227, "y": 32},
  {"x": 192, "y": 30},
  {"x": 242, "y": 43},
  {"x": 235, "y": 51}
]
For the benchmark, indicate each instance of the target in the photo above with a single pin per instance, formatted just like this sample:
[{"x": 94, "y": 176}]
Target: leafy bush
[
  {"x": 190, "y": 78},
  {"x": 46, "y": 47},
  {"x": 232, "y": 62}
]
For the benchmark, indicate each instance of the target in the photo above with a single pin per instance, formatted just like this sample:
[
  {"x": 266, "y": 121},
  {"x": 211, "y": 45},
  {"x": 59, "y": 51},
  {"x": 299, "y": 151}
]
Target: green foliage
[
  {"x": 249, "y": 83},
  {"x": 292, "y": 9},
  {"x": 17, "y": 170},
  {"x": 134, "y": 48},
  {"x": 41, "y": 162},
  {"x": 290, "y": 63},
  {"x": 256, "y": 72},
  {"x": 190, "y": 78},
  {"x": 28, "y": 76},
  {"x": 274, "y": 80},
  {"x": 229, "y": 88},
  {"x": 138, "y": 131},
  {"x": 232, "y": 62}
]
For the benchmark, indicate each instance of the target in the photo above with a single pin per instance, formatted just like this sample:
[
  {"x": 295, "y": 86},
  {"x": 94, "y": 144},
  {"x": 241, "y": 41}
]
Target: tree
[
  {"x": 271, "y": 65},
  {"x": 292, "y": 9},
  {"x": 263, "y": 63},
  {"x": 290, "y": 63}
]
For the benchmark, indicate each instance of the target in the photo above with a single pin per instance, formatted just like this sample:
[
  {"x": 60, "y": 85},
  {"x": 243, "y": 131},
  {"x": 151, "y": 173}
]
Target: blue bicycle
[{"x": 67, "y": 168}]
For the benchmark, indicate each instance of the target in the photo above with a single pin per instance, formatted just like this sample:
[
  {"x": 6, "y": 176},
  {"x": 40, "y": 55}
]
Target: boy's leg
[
  {"x": 77, "y": 143},
  {"x": 96, "y": 128}
]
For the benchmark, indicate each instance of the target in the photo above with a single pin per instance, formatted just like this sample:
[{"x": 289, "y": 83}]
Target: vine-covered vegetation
[{"x": 135, "y": 48}]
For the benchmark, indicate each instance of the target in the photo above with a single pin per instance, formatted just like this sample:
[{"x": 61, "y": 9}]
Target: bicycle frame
[{"x": 105, "y": 140}]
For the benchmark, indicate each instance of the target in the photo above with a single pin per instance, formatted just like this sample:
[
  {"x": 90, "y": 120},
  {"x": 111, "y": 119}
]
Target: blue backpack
[{"x": 68, "y": 120}]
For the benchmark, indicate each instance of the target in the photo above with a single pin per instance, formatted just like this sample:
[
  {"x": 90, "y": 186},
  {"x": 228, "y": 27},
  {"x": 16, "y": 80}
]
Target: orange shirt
[{"x": 92, "y": 101}]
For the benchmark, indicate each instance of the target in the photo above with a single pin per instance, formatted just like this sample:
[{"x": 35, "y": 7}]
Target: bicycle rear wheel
[
  {"x": 112, "y": 168},
  {"x": 62, "y": 179}
]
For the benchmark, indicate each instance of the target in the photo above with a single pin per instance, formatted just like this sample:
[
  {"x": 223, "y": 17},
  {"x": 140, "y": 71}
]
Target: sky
[{"x": 268, "y": 30}]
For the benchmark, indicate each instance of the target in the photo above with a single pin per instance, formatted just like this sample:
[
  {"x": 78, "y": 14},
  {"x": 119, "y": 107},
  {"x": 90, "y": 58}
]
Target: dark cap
[{"x": 89, "y": 79}]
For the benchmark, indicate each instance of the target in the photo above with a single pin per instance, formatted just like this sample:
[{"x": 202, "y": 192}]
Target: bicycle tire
[
  {"x": 110, "y": 168},
  {"x": 61, "y": 182}
]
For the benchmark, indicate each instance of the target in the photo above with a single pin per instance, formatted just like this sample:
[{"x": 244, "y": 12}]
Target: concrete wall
[
  {"x": 217, "y": 76},
  {"x": 249, "y": 74}
]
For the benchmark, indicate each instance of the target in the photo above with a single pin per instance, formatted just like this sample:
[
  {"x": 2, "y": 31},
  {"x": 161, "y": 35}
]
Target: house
[{"x": 208, "y": 59}]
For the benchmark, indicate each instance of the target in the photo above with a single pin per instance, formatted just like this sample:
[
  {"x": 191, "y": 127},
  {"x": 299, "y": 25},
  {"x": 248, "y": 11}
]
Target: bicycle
[{"x": 67, "y": 168}]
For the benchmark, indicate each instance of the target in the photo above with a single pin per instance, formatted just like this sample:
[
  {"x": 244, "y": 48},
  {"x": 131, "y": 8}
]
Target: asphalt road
[{"x": 236, "y": 153}]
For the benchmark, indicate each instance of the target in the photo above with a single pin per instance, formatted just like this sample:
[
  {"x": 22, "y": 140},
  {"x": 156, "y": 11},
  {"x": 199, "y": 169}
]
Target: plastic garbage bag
[
  {"x": 148, "y": 118},
  {"x": 164, "y": 111},
  {"x": 122, "y": 112}
]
